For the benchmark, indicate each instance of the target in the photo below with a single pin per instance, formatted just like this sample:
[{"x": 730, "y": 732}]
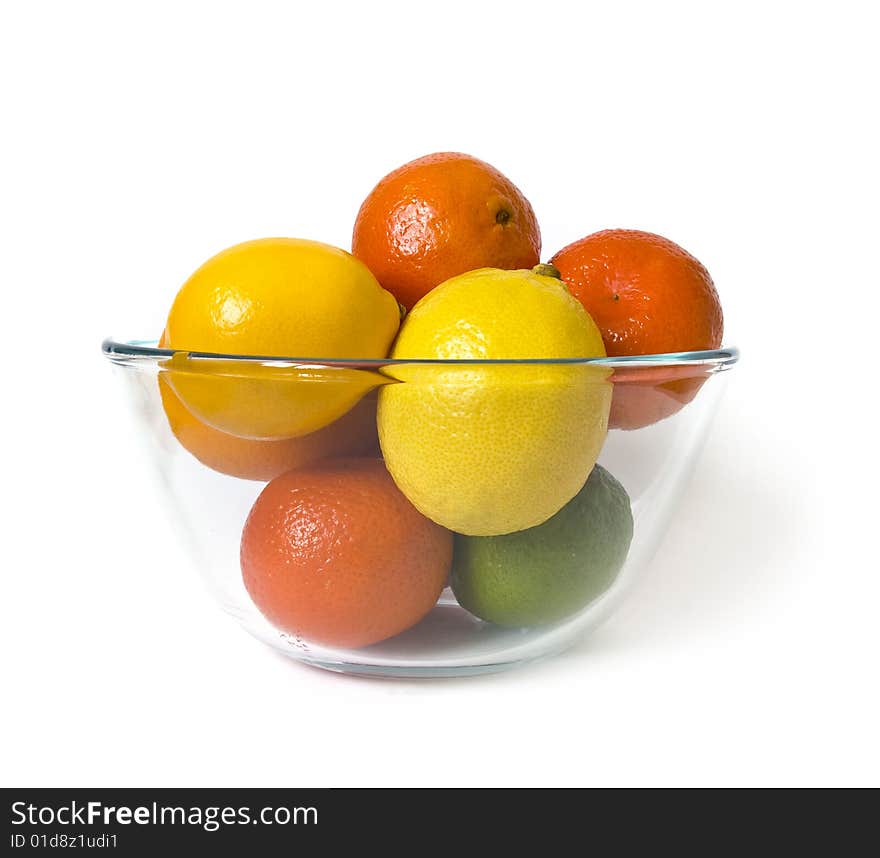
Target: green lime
[{"x": 550, "y": 571}]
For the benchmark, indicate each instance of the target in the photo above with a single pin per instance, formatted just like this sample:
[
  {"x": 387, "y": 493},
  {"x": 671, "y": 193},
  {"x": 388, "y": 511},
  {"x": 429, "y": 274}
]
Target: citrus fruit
[
  {"x": 277, "y": 297},
  {"x": 335, "y": 554},
  {"x": 487, "y": 449},
  {"x": 648, "y": 296},
  {"x": 353, "y": 434},
  {"x": 645, "y": 395},
  {"x": 551, "y": 571},
  {"x": 439, "y": 216}
]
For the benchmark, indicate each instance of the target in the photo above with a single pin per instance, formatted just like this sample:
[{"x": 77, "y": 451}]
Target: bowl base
[
  {"x": 449, "y": 642},
  {"x": 385, "y": 671}
]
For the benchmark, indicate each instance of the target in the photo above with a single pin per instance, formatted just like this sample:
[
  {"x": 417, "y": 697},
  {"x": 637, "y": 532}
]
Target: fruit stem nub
[{"x": 545, "y": 269}]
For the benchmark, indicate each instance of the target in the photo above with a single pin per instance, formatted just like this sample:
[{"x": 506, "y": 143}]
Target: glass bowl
[{"x": 661, "y": 407}]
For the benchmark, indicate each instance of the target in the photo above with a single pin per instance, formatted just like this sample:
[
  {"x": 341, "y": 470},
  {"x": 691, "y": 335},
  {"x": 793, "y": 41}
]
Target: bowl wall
[{"x": 659, "y": 414}]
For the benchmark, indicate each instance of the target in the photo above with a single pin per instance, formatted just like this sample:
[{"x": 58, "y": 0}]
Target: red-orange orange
[
  {"x": 335, "y": 554},
  {"x": 439, "y": 216},
  {"x": 648, "y": 296}
]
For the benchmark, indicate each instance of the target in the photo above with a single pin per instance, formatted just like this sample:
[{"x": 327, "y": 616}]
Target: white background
[{"x": 138, "y": 139}]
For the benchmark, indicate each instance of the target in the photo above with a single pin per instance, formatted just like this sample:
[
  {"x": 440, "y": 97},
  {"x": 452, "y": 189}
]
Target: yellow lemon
[
  {"x": 277, "y": 297},
  {"x": 491, "y": 449}
]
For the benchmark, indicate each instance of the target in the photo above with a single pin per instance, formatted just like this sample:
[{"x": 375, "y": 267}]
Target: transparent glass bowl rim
[{"x": 134, "y": 352}]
